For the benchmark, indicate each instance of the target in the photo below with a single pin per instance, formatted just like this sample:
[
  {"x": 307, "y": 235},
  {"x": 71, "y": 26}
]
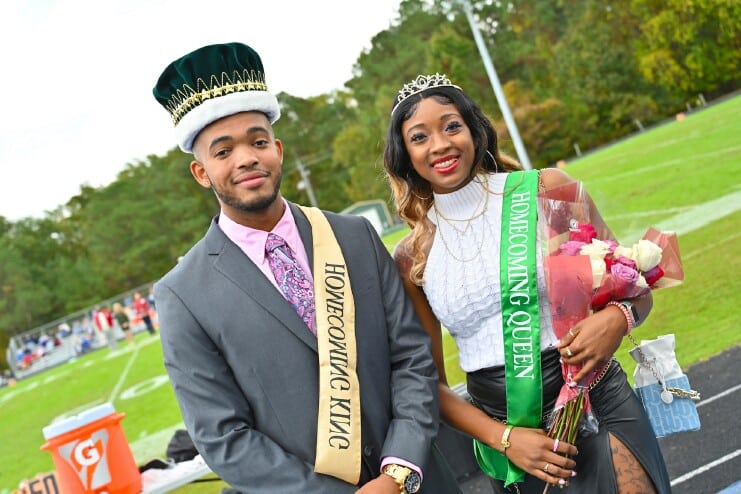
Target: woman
[
  {"x": 124, "y": 322},
  {"x": 450, "y": 184}
]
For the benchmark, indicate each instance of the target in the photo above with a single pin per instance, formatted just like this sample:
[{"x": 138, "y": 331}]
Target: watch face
[{"x": 412, "y": 483}]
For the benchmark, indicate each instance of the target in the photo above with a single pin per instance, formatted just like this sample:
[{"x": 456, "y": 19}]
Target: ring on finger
[
  {"x": 568, "y": 352},
  {"x": 555, "y": 446},
  {"x": 571, "y": 332},
  {"x": 546, "y": 467}
]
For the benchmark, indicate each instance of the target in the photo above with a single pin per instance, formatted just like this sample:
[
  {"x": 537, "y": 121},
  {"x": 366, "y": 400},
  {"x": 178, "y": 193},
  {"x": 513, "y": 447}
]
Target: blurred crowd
[{"x": 103, "y": 325}]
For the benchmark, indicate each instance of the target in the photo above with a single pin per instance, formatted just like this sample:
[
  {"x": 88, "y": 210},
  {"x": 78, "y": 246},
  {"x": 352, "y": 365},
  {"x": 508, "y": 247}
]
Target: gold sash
[{"x": 338, "y": 427}]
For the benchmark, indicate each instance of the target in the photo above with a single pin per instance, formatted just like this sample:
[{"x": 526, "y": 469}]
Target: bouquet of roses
[{"x": 586, "y": 268}]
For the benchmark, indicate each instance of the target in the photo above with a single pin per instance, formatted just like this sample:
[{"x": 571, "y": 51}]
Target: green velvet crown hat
[{"x": 210, "y": 83}]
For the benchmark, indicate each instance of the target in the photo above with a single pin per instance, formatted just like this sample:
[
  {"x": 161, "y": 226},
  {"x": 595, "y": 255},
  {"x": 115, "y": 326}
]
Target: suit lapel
[
  {"x": 233, "y": 264},
  {"x": 304, "y": 229}
]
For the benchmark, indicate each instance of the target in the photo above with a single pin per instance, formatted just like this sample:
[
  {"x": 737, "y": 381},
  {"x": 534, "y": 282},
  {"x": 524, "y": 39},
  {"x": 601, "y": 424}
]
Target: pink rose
[
  {"x": 624, "y": 272},
  {"x": 571, "y": 248},
  {"x": 625, "y": 261},
  {"x": 625, "y": 279},
  {"x": 585, "y": 232}
]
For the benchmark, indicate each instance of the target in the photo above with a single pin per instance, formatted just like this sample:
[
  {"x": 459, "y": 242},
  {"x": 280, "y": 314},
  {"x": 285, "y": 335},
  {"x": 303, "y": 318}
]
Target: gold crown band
[
  {"x": 188, "y": 98},
  {"x": 421, "y": 83}
]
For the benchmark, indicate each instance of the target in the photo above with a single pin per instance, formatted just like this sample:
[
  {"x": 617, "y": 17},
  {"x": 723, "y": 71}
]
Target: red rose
[
  {"x": 653, "y": 275},
  {"x": 608, "y": 263},
  {"x": 585, "y": 232}
]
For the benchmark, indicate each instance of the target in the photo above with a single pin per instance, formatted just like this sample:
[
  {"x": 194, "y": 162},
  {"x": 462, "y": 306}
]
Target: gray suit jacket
[{"x": 244, "y": 366}]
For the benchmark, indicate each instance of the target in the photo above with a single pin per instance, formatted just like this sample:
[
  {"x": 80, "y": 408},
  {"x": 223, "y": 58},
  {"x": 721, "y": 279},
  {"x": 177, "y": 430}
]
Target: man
[{"x": 296, "y": 357}]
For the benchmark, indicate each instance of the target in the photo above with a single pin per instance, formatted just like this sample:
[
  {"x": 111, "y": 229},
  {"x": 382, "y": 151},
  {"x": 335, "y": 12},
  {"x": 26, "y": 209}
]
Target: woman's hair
[{"x": 412, "y": 194}]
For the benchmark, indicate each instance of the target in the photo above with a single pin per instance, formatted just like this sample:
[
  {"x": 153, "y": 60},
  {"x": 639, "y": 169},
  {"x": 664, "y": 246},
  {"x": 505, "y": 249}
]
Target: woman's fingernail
[
  {"x": 561, "y": 482},
  {"x": 573, "y": 473}
]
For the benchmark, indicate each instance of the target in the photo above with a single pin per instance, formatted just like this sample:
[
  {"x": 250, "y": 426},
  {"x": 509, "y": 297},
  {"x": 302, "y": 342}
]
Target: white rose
[
  {"x": 624, "y": 251},
  {"x": 596, "y": 250},
  {"x": 598, "y": 272},
  {"x": 647, "y": 255},
  {"x": 641, "y": 283}
]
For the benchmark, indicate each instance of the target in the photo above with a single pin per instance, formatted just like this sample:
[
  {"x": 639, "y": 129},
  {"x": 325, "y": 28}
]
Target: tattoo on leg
[{"x": 629, "y": 473}]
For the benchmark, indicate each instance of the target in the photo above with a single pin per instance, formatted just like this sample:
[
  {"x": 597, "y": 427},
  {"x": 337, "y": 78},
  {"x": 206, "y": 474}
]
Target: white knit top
[{"x": 462, "y": 273}]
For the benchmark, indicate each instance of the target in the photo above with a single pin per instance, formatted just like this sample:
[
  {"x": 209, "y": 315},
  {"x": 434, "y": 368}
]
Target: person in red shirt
[
  {"x": 141, "y": 309},
  {"x": 104, "y": 322}
]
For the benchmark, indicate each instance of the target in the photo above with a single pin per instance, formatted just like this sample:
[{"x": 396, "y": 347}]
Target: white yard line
[
  {"x": 705, "y": 468},
  {"x": 719, "y": 461},
  {"x": 709, "y": 247},
  {"x": 124, "y": 374},
  {"x": 695, "y": 217},
  {"x": 653, "y": 212},
  {"x": 665, "y": 164},
  {"x": 719, "y": 395}
]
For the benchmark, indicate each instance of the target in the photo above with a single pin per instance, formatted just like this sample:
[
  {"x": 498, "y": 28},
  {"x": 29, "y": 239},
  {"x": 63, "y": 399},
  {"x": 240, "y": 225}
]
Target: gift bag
[{"x": 662, "y": 387}]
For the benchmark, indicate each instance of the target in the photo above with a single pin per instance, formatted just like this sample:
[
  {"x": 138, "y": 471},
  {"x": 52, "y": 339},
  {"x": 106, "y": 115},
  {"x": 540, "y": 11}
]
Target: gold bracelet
[{"x": 505, "y": 439}]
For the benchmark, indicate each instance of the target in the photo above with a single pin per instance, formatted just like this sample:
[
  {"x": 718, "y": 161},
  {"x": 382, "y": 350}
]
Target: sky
[{"x": 77, "y": 77}]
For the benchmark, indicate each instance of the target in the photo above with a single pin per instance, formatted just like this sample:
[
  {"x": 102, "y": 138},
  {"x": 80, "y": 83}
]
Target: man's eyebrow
[
  {"x": 217, "y": 141},
  {"x": 255, "y": 129}
]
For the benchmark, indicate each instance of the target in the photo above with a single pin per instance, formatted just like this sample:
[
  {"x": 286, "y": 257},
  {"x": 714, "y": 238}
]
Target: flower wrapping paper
[{"x": 585, "y": 268}]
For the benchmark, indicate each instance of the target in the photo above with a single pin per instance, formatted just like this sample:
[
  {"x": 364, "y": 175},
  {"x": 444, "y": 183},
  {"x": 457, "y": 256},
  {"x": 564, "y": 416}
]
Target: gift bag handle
[{"x": 667, "y": 393}]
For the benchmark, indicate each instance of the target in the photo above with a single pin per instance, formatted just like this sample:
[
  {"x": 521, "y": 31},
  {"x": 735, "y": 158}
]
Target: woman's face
[{"x": 440, "y": 145}]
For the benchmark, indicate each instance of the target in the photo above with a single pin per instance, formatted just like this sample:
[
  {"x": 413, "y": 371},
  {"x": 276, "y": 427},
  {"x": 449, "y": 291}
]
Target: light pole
[
  {"x": 305, "y": 181},
  {"x": 510, "y": 121}
]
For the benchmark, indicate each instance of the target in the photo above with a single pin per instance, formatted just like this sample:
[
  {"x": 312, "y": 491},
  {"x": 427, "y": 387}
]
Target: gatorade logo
[
  {"x": 86, "y": 454},
  {"x": 88, "y": 458}
]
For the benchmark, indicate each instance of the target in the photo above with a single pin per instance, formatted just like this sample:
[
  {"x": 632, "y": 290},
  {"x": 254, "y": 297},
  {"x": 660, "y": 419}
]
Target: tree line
[{"x": 575, "y": 73}]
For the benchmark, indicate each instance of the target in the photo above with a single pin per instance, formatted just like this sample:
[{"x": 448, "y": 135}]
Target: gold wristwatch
[{"x": 408, "y": 480}]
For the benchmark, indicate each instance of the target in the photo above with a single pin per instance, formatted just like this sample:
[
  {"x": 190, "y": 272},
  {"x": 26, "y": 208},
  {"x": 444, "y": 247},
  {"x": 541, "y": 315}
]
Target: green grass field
[{"x": 684, "y": 176}]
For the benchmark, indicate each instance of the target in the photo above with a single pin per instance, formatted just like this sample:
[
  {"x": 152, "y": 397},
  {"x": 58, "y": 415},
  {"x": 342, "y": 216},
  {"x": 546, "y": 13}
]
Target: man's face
[{"x": 240, "y": 159}]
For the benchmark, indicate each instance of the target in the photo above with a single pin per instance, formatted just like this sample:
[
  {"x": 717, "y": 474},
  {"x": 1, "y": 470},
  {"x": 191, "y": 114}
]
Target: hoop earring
[{"x": 496, "y": 165}]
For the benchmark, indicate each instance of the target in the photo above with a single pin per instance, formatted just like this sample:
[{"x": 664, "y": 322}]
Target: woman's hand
[
  {"x": 593, "y": 341},
  {"x": 540, "y": 456},
  {"x": 383, "y": 484}
]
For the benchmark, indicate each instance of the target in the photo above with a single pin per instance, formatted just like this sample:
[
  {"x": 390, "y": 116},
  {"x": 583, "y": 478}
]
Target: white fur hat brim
[{"x": 211, "y": 110}]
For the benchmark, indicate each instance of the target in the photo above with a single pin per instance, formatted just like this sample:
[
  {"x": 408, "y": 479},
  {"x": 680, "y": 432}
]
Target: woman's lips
[{"x": 446, "y": 165}]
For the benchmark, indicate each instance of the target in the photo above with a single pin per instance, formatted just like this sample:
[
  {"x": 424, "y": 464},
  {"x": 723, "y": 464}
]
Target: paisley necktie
[{"x": 291, "y": 279}]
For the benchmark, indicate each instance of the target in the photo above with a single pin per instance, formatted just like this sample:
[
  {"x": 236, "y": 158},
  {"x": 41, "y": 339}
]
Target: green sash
[{"x": 520, "y": 318}]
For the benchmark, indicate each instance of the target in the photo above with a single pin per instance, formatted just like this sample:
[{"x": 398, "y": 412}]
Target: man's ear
[
  {"x": 199, "y": 173},
  {"x": 279, "y": 147}
]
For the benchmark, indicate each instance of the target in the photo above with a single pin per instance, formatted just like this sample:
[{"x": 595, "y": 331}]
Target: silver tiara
[{"x": 419, "y": 84}]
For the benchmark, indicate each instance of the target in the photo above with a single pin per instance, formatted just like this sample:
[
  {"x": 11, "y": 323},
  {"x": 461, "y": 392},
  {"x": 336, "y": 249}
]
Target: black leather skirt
[{"x": 615, "y": 406}]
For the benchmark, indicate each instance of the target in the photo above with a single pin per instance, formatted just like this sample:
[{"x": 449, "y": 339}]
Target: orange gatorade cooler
[{"x": 91, "y": 453}]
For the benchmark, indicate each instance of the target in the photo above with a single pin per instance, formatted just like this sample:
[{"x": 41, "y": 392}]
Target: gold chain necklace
[
  {"x": 452, "y": 254},
  {"x": 469, "y": 222},
  {"x": 452, "y": 221}
]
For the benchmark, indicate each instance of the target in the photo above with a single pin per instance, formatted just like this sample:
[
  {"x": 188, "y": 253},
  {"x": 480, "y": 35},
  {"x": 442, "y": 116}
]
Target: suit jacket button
[{"x": 367, "y": 450}]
